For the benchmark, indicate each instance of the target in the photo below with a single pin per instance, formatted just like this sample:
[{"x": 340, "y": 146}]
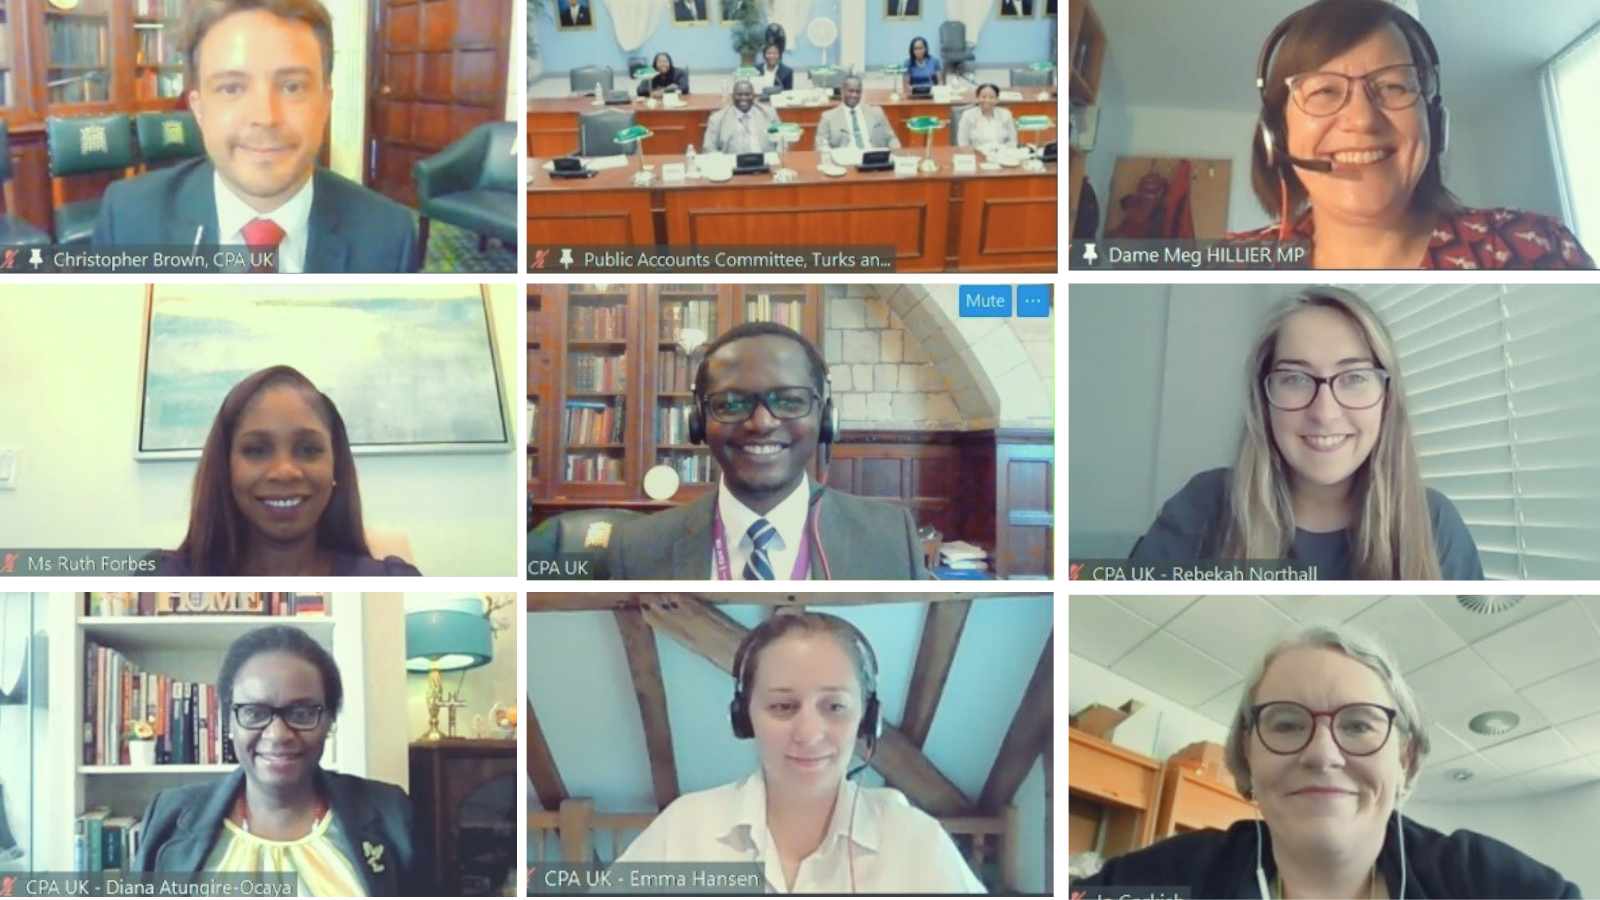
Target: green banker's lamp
[{"x": 447, "y": 636}]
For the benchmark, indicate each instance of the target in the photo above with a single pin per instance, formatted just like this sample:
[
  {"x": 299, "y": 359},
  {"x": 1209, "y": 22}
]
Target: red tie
[{"x": 261, "y": 235}]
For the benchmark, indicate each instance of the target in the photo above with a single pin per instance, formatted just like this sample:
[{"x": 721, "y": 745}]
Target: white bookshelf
[{"x": 190, "y": 648}]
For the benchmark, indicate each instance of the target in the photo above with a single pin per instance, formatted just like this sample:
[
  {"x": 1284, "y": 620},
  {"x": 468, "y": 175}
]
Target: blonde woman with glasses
[{"x": 1327, "y": 471}]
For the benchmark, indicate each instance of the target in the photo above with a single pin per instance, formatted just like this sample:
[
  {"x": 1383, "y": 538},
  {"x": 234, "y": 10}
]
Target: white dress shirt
[
  {"x": 294, "y": 217},
  {"x": 726, "y": 131},
  {"x": 895, "y": 847},
  {"x": 788, "y": 517}
]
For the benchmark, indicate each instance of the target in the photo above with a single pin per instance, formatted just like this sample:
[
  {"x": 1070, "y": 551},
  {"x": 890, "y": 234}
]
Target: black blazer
[
  {"x": 785, "y": 76},
  {"x": 351, "y": 229},
  {"x": 181, "y": 825},
  {"x": 679, "y": 77}
]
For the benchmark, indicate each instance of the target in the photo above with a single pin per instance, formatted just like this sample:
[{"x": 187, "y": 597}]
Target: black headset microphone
[
  {"x": 827, "y": 431},
  {"x": 1274, "y": 137}
]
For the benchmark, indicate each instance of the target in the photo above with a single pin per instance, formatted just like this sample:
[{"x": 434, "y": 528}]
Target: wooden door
[{"x": 437, "y": 69}]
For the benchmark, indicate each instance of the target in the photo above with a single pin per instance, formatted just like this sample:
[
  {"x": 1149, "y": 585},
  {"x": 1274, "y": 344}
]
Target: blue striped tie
[{"x": 759, "y": 567}]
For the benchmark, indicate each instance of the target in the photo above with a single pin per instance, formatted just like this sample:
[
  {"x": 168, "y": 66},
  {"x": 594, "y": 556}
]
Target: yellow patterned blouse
[{"x": 323, "y": 868}]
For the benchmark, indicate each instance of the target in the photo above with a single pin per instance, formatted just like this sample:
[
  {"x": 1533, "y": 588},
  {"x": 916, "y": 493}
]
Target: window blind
[
  {"x": 1568, "y": 85},
  {"x": 1503, "y": 386}
]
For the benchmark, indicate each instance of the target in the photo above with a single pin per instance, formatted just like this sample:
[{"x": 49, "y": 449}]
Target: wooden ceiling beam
[
  {"x": 699, "y": 626},
  {"x": 1027, "y": 738},
  {"x": 941, "y": 633},
  {"x": 542, "y": 771},
  {"x": 644, "y": 664}
]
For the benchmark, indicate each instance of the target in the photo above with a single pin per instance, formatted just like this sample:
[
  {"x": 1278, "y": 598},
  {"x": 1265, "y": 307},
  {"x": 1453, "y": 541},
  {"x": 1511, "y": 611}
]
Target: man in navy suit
[
  {"x": 575, "y": 14},
  {"x": 689, "y": 11},
  {"x": 262, "y": 98}
]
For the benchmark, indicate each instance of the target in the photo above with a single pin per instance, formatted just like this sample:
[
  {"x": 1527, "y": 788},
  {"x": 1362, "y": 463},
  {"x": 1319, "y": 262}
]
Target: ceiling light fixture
[
  {"x": 1487, "y": 606},
  {"x": 1494, "y": 722}
]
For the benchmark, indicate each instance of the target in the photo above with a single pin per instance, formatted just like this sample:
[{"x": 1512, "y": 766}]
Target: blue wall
[{"x": 1002, "y": 43}]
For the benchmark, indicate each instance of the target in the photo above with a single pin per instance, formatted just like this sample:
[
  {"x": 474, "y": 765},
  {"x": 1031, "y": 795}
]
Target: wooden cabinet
[
  {"x": 464, "y": 795},
  {"x": 1111, "y": 796},
  {"x": 609, "y": 384},
  {"x": 1193, "y": 802}
]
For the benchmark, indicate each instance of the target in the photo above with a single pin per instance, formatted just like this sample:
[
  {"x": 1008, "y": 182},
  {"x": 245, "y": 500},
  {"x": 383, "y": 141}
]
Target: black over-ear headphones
[
  {"x": 827, "y": 430},
  {"x": 1270, "y": 131},
  {"x": 871, "y": 728}
]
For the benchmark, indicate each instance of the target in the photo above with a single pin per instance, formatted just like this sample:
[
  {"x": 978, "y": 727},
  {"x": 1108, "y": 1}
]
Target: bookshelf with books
[
  {"x": 154, "y": 658},
  {"x": 615, "y": 367}
]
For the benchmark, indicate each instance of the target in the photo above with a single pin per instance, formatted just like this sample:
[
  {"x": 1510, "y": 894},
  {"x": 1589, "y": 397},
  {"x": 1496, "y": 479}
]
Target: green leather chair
[
  {"x": 166, "y": 138},
  {"x": 15, "y": 231},
  {"x": 86, "y": 145},
  {"x": 472, "y": 184}
]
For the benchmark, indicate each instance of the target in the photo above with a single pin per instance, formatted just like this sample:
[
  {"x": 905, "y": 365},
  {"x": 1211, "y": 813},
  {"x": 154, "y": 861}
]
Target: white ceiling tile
[
  {"x": 1437, "y": 782},
  {"x": 1101, "y": 631},
  {"x": 1444, "y": 746},
  {"x": 1176, "y": 670},
  {"x": 1590, "y": 606},
  {"x": 1584, "y": 733},
  {"x": 1222, "y": 707},
  {"x": 1454, "y": 685},
  {"x": 1567, "y": 696},
  {"x": 1235, "y": 631},
  {"x": 1474, "y": 626},
  {"x": 1531, "y": 752},
  {"x": 1410, "y": 630},
  {"x": 1156, "y": 608},
  {"x": 1539, "y": 647},
  {"x": 1561, "y": 776},
  {"x": 1490, "y": 792},
  {"x": 1312, "y": 609}
]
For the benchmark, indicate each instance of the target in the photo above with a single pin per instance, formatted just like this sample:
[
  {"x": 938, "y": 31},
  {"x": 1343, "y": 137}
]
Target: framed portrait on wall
[
  {"x": 574, "y": 14},
  {"x": 902, "y": 9},
  {"x": 1050, "y": 8},
  {"x": 1016, "y": 9},
  {"x": 691, "y": 12}
]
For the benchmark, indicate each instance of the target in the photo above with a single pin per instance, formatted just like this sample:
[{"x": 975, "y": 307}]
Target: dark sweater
[
  {"x": 1223, "y": 864},
  {"x": 1191, "y": 525}
]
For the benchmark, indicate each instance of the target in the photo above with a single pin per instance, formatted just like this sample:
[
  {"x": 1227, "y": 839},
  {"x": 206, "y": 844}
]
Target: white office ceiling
[{"x": 1540, "y": 659}]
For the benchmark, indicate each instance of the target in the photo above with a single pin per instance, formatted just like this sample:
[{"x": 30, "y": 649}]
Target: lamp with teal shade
[{"x": 447, "y": 636}]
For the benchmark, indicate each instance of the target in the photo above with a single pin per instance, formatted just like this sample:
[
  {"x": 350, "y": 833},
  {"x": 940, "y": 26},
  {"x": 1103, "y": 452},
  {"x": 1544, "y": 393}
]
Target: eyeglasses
[
  {"x": 733, "y": 407},
  {"x": 257, "y": 716},
  {"x": 1292, "y": 389},
  {"x": 1325, "y": 93},
  {"x": 1359, "y": 729}
]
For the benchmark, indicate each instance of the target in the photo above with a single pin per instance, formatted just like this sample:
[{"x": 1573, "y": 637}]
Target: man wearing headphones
[
  {"x": 806, "y": 691},
  {"x": 761, "y": 404}
]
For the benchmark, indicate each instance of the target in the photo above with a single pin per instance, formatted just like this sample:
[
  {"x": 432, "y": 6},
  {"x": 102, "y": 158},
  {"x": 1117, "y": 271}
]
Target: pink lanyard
[{"x": 719, "y": 550}]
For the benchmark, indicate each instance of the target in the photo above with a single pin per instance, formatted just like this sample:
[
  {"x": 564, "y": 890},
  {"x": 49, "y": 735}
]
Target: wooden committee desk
[
  {"x": 553, "y": 123},
  {"x": 1001, "y": 221}
]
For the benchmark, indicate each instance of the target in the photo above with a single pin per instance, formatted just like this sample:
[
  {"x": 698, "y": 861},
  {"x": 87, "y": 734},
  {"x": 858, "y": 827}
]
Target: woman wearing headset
[
  {"x": 1330, "y": 798},
  {"x": 1347, "y": 152},
  {"x": 1327, "y": 470},
  {"x": 806, "y": 691}
]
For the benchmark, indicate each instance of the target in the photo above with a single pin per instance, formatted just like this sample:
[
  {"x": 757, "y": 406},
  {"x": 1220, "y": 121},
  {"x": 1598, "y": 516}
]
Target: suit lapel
[
  {"x": 195, "y": 207},
  {"x": 197, "y": 828},
  {"x": 327, "y": 248},
  {"x": 691, "y": 553},
  {"x": 363, "y": 840}
]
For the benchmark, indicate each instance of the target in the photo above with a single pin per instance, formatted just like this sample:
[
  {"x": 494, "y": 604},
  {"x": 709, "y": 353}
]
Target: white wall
[
  {"x": 1556, "y": 829},
  {"x": 1158, "y": 730},
  {"x": 1195, "y": 134},
  {"x": 1157, "y": 397},
  {"x": 77, "y": 349}
]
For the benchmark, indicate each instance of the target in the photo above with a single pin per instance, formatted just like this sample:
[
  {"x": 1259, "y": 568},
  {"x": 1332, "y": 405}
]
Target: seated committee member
[
  {"x": 989, "y": 125},
  {"x": 760, "y": 402},
  {"x": 805, "y": 689},
  {"x": 922, "y": 69},
  {"x": 742, "y": 127},
  {"x": 1327, "y": 469},
  {"x": 772, "y": 67},
  {"x": 855, "y": 124},
  {"x": 1328, "y": 740},
  {"x": 280, "y": 813},
  {"x": 1358, "y": 171},
  {"x": 261, "y": 98},
  {"x": 667, "y": 78},
  {"x": 275, "y": 492}
]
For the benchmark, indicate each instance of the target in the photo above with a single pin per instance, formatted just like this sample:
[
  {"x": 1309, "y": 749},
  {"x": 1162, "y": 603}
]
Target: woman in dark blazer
[
  {"x": 667, "y": 77},
  {"x": 783, "y": 76},
  {"x": 280, "y": 813}
]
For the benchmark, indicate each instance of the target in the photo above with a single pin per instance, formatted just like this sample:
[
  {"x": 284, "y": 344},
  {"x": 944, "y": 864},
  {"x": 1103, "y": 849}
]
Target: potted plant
[
  {"x": 141, "y": 737},
  {"x": 749, "y": 29}
]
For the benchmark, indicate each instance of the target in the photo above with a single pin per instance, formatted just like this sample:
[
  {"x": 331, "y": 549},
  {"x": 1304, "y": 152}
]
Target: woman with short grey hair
[{"x": 1329, "y": 820}]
